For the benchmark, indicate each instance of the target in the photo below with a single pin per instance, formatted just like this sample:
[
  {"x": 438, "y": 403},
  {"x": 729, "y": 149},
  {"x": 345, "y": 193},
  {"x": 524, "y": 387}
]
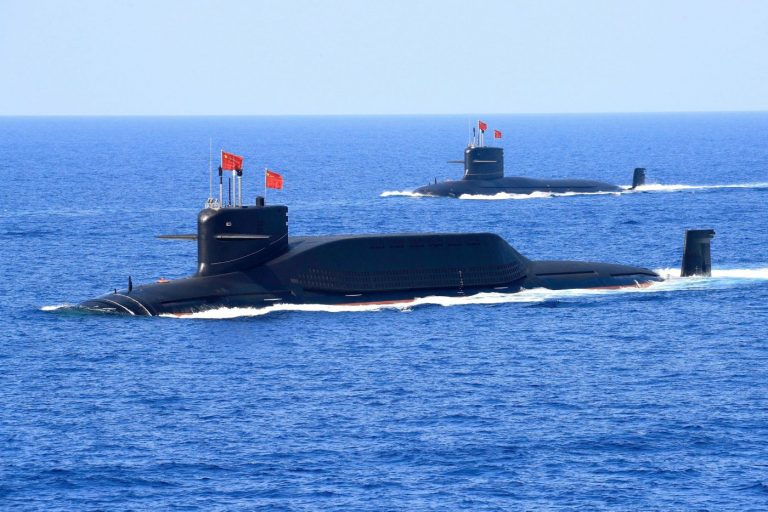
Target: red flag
[
  {"x": 482, "y": 126},
  {"x": 230, "y": 162},
  {"x": 274, "y": 180},
  {"x": 496, "y": 134}
]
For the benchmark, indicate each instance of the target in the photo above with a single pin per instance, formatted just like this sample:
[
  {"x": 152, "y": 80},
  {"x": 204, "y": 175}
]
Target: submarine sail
[{"x": 484, "y": 175}]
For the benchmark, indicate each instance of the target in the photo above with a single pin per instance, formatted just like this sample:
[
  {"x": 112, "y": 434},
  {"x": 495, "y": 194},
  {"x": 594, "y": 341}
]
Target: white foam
[
  {"x": 741, "y": 273},
  {"x": 532, "y": 195},
  {"x": 752, "y": 274},
  {"x": 56, "y": 307},
  {"x": 720, "y": 279},
  {"x": 537, "y": 295},
  {"x": 401, "y": 193}
]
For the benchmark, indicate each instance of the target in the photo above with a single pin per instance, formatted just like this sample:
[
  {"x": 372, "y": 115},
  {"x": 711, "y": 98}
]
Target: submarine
[
  {"x": 484, "y": 175},
  {"x": 245, "y": 258}
]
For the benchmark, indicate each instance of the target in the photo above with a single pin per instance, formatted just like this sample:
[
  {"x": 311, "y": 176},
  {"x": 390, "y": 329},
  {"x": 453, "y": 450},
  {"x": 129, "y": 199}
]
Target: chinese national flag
[
  {"x": 274, "y": 180},
  {"x": 230, "y": 162},
  {"x": 496, "y": 134},
  {"x": 482, "y": 126}
]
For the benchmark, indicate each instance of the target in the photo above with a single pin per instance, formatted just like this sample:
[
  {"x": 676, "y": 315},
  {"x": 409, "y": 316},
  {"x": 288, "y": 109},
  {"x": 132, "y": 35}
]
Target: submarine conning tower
[
  {"x": 483, "y": 163},
  {"x": 237, "y": 238}
]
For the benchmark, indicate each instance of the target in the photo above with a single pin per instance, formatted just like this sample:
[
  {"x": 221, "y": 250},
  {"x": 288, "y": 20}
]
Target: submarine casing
[
  {"x": 514, "y": 185},
  {"x": 246, "y": 259}
]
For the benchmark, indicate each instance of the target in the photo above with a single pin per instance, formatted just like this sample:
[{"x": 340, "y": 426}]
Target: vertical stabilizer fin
[
  {"x": 697, "y": 260},
  {"x": 638, "y": 178}
]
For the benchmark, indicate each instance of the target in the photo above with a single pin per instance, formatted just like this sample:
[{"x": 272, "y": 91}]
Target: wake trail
[{"x": 651, "y": 187}]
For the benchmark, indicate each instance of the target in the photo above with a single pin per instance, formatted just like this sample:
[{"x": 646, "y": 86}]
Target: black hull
[
  {"x": 369, "y": 269},
  {"x": 513, "y": 185},
  {"x": 246, "y": 260},
  {"x": 142, "y": 302},
  {"x": 484, "y": 175}
]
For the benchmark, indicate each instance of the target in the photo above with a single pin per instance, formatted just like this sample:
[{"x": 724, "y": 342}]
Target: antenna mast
[{"x": 210, "y": 169}]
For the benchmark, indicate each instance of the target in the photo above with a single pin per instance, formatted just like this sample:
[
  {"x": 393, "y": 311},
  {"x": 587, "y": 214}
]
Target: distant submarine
[
  {"x": 484, "y": 175},
  {"x": 245, "y": 258}
]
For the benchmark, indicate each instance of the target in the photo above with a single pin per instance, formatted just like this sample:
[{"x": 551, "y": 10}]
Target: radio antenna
[{"x": 210, "y": 169}]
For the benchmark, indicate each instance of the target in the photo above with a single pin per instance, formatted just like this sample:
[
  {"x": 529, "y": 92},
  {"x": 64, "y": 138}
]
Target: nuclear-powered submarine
[
  {"x": 245, "y": 258},
  {"x": 484, "y": 175}
]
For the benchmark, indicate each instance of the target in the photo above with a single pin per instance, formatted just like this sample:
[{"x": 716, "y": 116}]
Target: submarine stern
[{"x": 569, "y": 275}]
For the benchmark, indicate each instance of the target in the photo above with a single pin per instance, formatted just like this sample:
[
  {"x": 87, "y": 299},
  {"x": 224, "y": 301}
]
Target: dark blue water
[{"x": 653, "y": 400}]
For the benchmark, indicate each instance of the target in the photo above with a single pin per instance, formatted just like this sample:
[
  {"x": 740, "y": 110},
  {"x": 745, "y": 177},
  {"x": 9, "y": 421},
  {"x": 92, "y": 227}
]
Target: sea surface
[{"x": 653, "y": 399}]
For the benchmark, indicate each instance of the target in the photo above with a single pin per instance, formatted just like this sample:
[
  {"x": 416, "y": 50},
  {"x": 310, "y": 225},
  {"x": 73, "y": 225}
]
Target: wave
[
  {"x": 57, "y": 307},
  {"x": 721, "y": 278}
]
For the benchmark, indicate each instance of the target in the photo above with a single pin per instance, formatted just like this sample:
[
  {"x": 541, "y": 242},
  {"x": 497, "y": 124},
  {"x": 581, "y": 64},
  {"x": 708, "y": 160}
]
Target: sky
[{"x": 359, "y": 57}]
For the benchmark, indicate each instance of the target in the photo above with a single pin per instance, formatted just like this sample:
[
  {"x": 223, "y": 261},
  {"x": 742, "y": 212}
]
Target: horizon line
[{"x": 638, "y": 112}]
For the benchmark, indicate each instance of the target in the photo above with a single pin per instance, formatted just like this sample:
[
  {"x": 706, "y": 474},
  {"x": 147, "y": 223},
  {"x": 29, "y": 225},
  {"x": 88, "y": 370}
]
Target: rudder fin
[
  {"x": 697, "y": 260},
  {"x": 638, "y": 178}
]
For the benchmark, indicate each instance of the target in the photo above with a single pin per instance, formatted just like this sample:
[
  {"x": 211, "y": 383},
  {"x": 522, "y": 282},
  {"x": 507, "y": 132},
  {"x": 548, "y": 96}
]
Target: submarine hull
[
  {"x": 514, "y": 185},
  {"x": 370, "y": 269},
  {"x": 484, "y": 175},
  {"x": 142, "y": 303}
]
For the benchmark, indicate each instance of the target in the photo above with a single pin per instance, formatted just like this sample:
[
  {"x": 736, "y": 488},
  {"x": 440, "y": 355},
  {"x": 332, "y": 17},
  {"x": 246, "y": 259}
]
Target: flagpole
[
  {"x": 210, "y": 170},
  {"x": 265, "y": 184}
]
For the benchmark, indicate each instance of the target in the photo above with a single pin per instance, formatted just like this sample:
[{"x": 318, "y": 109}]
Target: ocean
[{"x": 652, "y": 399}]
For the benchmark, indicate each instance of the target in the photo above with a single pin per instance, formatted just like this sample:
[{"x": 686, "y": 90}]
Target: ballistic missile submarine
[
  {"x": 484, "y": 175},
  {"x": 245, "y": 258}
]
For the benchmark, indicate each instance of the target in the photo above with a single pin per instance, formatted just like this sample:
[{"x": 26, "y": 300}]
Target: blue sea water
[{"x": 623, "y": 400}]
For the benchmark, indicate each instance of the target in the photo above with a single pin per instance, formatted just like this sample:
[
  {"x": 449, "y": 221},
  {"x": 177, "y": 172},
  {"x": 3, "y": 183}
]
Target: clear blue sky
[{"x": 255, "y": 57}]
